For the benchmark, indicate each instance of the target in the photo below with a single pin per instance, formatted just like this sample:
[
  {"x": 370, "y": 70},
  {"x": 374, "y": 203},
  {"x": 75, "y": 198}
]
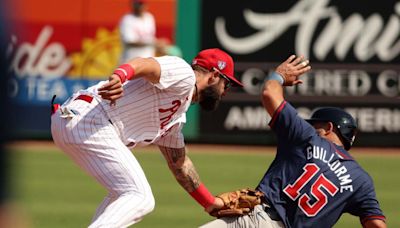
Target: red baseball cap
[{"x": 218, "y": 59}]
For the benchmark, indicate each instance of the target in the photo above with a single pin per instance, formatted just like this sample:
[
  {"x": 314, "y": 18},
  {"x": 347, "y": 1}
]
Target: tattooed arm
[
  {"x": 185, "y": 173},
  {"x": 182, "y": 167}
]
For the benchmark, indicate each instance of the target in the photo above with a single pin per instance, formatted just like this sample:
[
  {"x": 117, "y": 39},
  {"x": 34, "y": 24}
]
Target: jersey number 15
[{"x": 293, "y": 190}]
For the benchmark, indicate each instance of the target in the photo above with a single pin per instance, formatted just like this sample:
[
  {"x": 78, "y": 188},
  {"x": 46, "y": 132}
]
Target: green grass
[{"x": 53, "y": 192}]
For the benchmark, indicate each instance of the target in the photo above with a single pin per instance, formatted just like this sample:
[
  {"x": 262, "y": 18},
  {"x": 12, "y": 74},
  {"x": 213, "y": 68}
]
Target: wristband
[
  {"x": 275, "y": 76},
  {"x": 203, "y": 196},
  {"x": 125, "y": 72}
]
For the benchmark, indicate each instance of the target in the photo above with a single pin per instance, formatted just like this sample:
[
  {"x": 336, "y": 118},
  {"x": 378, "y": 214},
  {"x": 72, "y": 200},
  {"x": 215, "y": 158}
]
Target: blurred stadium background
[{"x": 57, "y": 47}]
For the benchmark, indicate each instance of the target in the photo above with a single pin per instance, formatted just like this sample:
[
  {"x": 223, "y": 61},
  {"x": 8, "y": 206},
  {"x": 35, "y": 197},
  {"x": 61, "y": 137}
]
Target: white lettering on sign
[
  {"x": 377, "y": 119},
  {"x": 368, "y": 37},
  {"x": 388, "y": 83},
  {"x": 40, "y": 58},
  {"x": 252, "y": 79},
  {"x": 336, "y": 83},
  {"x": 347, "y": 83},
  {"x": 369, "y": 119},
  {"x": 248, "y": 118},
  {"x": 340, "y": 82},
  {"x": 42, "y": 90}
]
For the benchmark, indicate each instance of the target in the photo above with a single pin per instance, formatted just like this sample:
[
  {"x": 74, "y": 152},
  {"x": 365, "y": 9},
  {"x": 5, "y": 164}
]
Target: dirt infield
[{"x": 204, "y": 148}]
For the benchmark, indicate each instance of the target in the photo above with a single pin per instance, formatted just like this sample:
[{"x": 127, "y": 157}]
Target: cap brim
[{"x": 236, "y": 82}]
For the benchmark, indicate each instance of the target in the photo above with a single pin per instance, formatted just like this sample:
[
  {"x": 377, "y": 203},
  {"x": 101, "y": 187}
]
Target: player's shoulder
[
  {"x": 363, "y": 173},
  {"x": 364, "y": 185},
  {"x": 172, "y": 60},
  {"x": 176, "y": 67},
  {"x": 127, "y": 16},
  {"x": 127, "y": 19},
  {"x": 286, "y": 111},
  {"x": 359, "y": 174},
  {"x": 148, "y": 15}
]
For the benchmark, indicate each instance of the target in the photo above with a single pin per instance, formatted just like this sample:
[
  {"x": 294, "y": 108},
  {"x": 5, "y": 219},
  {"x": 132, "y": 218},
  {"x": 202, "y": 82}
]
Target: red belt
[
  {"x": 86, "y": 98},
  {"x": 54, "y": 107}
]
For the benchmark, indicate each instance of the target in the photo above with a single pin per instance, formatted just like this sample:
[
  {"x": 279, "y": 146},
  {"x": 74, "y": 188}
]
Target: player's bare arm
[
  {"x": 376, "y": 223},
  {"x": 185, "y": 173},
  {"x": 182, "y": 167},
  {"x": 147, "y": 68},
  {"x": 289, "y": 71}
]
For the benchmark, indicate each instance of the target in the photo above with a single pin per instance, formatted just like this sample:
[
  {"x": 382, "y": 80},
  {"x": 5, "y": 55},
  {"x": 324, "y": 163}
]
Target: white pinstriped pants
[{"x": 94, "y": 145}]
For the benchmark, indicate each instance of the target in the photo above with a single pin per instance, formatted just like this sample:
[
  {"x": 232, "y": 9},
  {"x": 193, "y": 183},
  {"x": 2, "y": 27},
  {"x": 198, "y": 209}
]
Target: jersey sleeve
[
  {"x": 288, "y": 126},
  {"x": 174, "y": 138},
  {"x": 364, "y": 203},
  {"x": 176, "y": 74}
]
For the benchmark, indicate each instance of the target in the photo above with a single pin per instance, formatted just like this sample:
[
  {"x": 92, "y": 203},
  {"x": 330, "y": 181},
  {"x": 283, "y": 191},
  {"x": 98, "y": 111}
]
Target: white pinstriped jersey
[{"x": 153, "y": 113}]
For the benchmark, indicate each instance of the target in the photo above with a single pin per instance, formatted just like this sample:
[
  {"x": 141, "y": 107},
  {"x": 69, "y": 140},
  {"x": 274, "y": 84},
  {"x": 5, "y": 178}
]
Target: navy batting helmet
[{"x": 343, "y": 121}]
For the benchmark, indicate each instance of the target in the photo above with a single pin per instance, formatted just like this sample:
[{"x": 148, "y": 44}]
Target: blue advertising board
[{"x": 30, "y": 100}]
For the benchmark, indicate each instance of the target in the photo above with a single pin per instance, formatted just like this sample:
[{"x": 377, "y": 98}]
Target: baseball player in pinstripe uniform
[{"x": 143, "y": 102}]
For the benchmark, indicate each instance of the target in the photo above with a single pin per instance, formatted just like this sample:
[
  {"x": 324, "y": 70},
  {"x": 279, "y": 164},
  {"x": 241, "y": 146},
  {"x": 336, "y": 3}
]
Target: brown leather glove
[{"x": 238, "y": 203}]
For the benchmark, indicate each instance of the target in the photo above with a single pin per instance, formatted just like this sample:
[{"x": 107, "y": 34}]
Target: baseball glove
[{"x": 238, "y": 203}]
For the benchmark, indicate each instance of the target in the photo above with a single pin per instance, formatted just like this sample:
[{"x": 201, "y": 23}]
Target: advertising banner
[
  {"x": 353, "y": 47},
  {"x": 59, "y": 47}
]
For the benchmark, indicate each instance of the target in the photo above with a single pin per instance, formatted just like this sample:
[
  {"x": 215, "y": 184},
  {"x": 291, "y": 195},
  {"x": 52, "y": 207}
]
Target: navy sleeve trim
[
  {"x": 276, "y": 113},
  {"x": 373, "y": 217},
  {"x": 342, "y": 155}
]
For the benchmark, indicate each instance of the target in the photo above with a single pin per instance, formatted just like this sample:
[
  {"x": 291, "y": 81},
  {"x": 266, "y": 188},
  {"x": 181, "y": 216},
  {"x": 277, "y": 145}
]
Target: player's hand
[
  {"x": 292, "y": 68},
  {"x": 112, "y": 90},
  {"x": 218, "y": 203}
]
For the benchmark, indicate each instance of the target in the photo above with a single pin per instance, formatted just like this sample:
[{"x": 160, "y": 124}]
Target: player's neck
[
  {"x": 195, "y": 94},
  {"x": 198, "y": 86},
  {"x": 334, "y": 139}
]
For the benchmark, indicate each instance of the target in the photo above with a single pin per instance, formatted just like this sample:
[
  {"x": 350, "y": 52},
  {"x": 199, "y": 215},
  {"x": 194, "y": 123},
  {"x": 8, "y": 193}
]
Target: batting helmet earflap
[{"x": 343, "y": 121}]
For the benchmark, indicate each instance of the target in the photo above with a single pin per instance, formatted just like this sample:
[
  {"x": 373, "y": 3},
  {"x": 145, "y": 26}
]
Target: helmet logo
[{"x": 221, "y": 64}]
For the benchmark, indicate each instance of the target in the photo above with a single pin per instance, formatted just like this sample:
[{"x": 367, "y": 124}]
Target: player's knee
[
  {"x": 148, "y": 203},
  {"x": 151, "y": 203}
]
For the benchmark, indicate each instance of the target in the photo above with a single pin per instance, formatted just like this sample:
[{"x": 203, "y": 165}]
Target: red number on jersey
[{"x": 293, "y": 190}]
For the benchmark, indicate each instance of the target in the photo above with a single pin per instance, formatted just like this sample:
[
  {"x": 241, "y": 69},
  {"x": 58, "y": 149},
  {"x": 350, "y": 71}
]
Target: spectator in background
[{"x": 138, "y": 30}]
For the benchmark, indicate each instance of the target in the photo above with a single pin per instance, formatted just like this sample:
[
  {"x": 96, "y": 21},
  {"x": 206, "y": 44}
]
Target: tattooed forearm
[{"x": 182, "y": 167}]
